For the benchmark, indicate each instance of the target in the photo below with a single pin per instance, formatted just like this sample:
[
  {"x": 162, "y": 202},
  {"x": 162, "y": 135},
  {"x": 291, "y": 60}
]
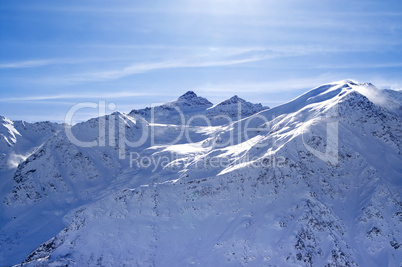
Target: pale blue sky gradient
[{"x": 54, "y": 54}]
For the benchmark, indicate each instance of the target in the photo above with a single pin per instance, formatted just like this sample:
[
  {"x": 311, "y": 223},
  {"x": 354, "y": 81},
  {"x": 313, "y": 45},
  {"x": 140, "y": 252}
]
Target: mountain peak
[
  {"x": 234, "y": 105},
  {"x": 191, "y": 99},
  {"x": 233, "y": 100},
  {"x": 188, "y": 95},
  {"x": 4, "y": 119}
]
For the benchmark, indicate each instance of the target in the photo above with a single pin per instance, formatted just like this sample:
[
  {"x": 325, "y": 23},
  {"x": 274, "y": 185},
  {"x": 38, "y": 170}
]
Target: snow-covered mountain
[
  {"x": 314, "y": 182},
  {"x": 189, "y": 105}
]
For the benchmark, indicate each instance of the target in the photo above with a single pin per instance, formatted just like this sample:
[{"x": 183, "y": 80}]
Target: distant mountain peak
[
  {"x": 191, "y": 99},
  {"x": 234, "y": 105},
  {"x": 233, "y": 100},
  {"x": 5, "y": 120},
  {"x": 188, "y": 95}
]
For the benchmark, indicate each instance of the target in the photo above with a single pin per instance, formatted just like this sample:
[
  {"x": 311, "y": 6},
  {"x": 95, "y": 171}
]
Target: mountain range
[{"x": 313, "y": 182}]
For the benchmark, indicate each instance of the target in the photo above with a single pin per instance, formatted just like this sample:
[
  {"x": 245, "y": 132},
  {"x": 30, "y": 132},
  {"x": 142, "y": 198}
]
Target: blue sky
[{"x": 54, "y": 54}]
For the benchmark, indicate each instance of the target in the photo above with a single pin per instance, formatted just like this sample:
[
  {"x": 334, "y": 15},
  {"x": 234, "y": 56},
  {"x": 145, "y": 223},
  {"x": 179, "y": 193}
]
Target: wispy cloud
[
  {"x": 277, "y": 86},
  {"x": 109, "y": 95},
  {"x": 226, "y": 7},
  {"x": 60, "y": 61},
  {"x": 383, "y": 83},
  {"x": 25, "y": 64},
  {"x": 222, "y": 52},
  {"x": 367, "y": 65},
  {"x": 52, "y": 61},
  {"x": 138, "y": 68},
  {"x": 206, "y": 57}
]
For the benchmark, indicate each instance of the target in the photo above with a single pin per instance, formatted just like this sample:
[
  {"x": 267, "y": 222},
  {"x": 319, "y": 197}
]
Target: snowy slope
[
  {"x": 18, "y": 138},
  {"x": 285, "y": 193}
]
